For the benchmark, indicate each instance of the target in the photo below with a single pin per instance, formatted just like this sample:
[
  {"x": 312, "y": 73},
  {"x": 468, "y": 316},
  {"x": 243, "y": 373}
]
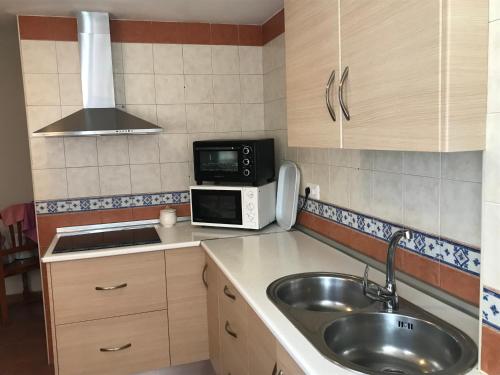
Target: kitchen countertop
[
  {"x": 252, "y": 263},
  {"x": 182, "y": 234}
]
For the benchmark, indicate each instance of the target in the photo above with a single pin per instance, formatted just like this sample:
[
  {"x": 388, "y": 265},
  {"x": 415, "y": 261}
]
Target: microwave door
[{"x": 217, "y": 206}]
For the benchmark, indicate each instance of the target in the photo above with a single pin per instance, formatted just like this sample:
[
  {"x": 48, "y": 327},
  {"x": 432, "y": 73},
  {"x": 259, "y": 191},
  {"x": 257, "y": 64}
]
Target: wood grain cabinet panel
[
  {"x": 312, "y": 54},
  {"x": 143, "y": 337},
  {"x": 286, "y": 363},
  {"x": 261, "y": 346},
  {"x": 187, "y": 305},
  {"x": 212, "y": 276},
  {"x": 139, "y": 280}
]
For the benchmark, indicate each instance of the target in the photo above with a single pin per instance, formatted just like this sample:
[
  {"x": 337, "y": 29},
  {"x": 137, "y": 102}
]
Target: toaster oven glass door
[
  {"x": 217, "y": 206},
  {"x": 214, "y": 161}
]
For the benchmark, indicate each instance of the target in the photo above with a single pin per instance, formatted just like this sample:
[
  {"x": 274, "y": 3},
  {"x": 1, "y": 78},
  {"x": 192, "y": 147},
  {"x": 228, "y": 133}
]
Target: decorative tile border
[
  {"x": 490, "y": 306},
  {"x": 111, "y": 202},
  {"x": 459, "y": 256}
]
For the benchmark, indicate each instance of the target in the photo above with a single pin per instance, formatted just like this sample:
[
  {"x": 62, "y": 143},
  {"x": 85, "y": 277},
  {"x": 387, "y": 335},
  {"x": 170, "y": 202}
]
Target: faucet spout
[{"x": 390, "y": 280}]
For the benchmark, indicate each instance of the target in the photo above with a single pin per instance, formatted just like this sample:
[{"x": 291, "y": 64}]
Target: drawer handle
[
  {"x": 230, "y": 331},
  {"x": 275, "y": 369},
  {"x": 228, "y": 293},
  {"x": 116, "y": 349},
  {"x": 204, "y": 276},
  {"x": 111, "y": 287}
]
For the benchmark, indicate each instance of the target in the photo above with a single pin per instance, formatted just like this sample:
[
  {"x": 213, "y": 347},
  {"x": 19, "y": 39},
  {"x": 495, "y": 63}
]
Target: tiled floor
[{"x": 22, "y": 341}]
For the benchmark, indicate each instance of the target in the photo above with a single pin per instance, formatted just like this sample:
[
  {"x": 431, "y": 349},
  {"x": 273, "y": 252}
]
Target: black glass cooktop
[{"x": 106, "y": 240}]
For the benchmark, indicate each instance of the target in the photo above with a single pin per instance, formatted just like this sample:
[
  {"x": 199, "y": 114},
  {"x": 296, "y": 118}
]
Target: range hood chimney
[{"x": 99, "y": 115}]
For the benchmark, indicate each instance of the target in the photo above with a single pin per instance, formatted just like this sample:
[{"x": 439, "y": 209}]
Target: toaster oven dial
[
  {"x": 246, "y": 150},
  {"x": 246, "y": 161},
  {"x": 246, "y": 172}
]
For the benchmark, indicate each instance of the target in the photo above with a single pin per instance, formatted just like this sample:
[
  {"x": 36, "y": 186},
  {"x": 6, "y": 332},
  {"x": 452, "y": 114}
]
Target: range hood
[{"x": 99, "y": 115}]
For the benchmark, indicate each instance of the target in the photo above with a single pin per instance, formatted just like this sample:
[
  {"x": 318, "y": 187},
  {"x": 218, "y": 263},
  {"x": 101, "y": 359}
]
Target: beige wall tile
[
  {"x": 117, "y": 57},
  {"x": 113, "y": 150},
  {"x": 197, "y": 59},
  {"x": 321, "y": 176},
  {"x": 40, "y": 116},
  {"x": 387, "y": 196},
  {"x": 388, "y": 161},
  {"x": 250, "y": 60},
  {"x": 80, "y": 151},
  {"x": 252, "y": 89},
  {"x": 47, "y": 153},
  {"x": 464, "y": 166},
  {"x": 273, "y": 54},
  {"x": 275, "y": 114},
  {"x": 146, "y": 112},
  {"x": 227, "y": 117},
  {"x": 422, "y": 163},
  {"x": 491, "y": 159},
  {"x": 174, "y": 176},
  {"x": 360, "y": 190},
  {"x": 489, "y": 250},
  {"x": 169, "y": 89},
  {"x": 200, "y": 118},
  {"x": 421, "y": 203},
  {"x": 71, "y": 89},
  {"x": 83, "y": 182},
  {"x": 68, "y": 57},
  {"x": 140, "y": 89},
  {"x": 115, "y": 180},
  {"x": 137, "y": 57},
  {"x": 38, "y": 56},
  {"x": 168, "y": 59},
  {"x": 275, "y": 84},
  {"x": 172, "y": 118},
  {"x": 67, "y": 110},
  {"x": 143, "y": 149},
  {"x": 41, "y": 89},
  {"x": 252, "y": 117},
  {"x": 119, "y": 84},
  {"x": 340, "y": 157},
  {"x": 362, "y": 159},
  {"x": 225, "y": 60},
  {"x": 340, "y": 186},
  {"x": 198, "y": 89},
  {"x": 145, "y": 178},
  {"x": 50, "y": 184},
  {"x": 226, "y": 89},
  {"x": 174, "y": 148}
]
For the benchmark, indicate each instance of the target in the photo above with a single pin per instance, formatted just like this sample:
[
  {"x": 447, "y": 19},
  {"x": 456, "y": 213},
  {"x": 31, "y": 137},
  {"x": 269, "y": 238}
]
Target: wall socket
[{"x": 314, "y": 191}]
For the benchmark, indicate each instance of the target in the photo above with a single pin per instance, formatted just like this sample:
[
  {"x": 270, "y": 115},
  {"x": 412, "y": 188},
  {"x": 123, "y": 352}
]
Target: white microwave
[{"x": 245, "y": 207}]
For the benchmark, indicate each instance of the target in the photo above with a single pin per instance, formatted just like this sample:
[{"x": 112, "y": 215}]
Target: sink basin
[
  {"x": 319, "y": 291},
  {"x": 392, "y": 343}
]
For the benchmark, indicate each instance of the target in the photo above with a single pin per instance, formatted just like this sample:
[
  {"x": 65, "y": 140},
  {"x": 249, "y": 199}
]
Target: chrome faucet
[{"x": 387, "y": 294}]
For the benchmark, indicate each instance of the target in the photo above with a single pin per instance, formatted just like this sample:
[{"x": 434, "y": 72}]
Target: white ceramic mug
[{"x": 168, "y": 217}]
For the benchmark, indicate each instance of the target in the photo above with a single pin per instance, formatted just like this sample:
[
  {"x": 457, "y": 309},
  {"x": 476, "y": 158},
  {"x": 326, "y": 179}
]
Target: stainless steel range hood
[{"x": 99, "y": 115}]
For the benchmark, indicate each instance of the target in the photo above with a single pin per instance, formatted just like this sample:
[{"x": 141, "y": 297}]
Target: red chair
[{"x": 19, "y": 244}]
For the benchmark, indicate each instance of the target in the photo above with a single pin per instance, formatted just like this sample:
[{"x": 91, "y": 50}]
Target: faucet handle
[{"x": 365, "y": 278}]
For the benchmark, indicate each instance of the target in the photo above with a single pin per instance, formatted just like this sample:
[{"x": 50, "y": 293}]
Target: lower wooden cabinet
[
  {"x": 121, "y": 345},
  {"x": 286, "y": 364},
  {"x": 212, "y": 275},
  {"x": 261, "y": 347}
]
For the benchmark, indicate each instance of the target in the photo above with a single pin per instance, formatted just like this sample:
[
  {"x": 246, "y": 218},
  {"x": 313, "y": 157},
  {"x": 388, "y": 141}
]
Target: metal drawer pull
[
  {"x": 111, "y": 287},
  {"x": 204, "y": 276},
  {"x": 341, "y": 94},
  {"x": 327, "y": 95},
  {"x": 275, "y": 369},
  {"x": 117, "y": 349},
  {"x": 228, "y": 293},
  {"x": 230, "y": 331},
  {"x": 281, "y": 372}
]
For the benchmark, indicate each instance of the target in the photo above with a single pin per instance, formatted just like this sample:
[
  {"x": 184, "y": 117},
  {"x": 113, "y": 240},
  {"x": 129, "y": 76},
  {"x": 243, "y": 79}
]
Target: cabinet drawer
[
  {"x": 110, "y": 286},
  {"x": 92, "y": 347}
]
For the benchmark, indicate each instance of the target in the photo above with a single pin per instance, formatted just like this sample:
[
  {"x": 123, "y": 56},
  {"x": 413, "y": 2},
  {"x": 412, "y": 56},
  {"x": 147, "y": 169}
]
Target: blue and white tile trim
[
  {"x": 460, "y": 256},
  {"x": 111, "y": 202},
  {"x": 490, "y": 306}
]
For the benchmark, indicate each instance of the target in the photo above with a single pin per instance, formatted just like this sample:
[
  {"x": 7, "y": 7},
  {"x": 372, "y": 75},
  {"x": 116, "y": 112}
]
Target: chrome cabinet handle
[
  {"x": 116, "y": 349},
  {"x": 327, "y": 95},
  {"x": 204, "y": 276},
  {"x": 111, "y": 287},
  {"x": 230, "y": 332},
  {"x": 275, "y": 369},
  {"x": 281, "y": 372},
  {"x": 345, "y": 110},
  {"x": 228, "y": 293}
]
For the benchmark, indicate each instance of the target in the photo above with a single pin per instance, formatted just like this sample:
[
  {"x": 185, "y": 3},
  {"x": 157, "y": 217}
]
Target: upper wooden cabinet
[{"x": 415, "y": 73}]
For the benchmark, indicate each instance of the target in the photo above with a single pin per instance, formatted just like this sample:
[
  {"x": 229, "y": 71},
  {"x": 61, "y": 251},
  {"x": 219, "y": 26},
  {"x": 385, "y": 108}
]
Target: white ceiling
[{"x": 214, "y": 11}]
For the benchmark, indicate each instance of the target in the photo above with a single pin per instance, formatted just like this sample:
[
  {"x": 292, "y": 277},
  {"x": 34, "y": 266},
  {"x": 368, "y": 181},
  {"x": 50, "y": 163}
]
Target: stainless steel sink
[
  {"x": 322, "y": 292},
  {"x": 392, "y": 343},
  {"x": 354, "y": 331}
]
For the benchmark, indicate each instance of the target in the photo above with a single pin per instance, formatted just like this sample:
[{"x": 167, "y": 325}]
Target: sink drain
[{"x": 393, "y": 371}]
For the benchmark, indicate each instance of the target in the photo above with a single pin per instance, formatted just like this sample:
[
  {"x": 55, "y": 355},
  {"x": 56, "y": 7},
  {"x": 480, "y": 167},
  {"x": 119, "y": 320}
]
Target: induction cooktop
[{"x": 106, "y": 239}]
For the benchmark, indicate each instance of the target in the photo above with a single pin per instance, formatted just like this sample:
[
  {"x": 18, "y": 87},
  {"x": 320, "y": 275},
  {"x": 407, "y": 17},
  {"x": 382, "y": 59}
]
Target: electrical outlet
[{"x": 314, "y": 191}]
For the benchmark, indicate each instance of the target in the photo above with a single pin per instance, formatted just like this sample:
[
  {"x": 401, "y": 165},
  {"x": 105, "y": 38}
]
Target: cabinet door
[
  {"x": 312, "y": 54},
  {"x": 213, "y": 315},
  {"x": 187, "y": 305},
  {"x": 261, "y": 346},
  {"x": 392, "y": 49},
  {"x": 286, "y": 363}
]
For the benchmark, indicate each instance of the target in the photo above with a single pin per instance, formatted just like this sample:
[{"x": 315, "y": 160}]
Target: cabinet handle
[
  {"x": 281, "y": 372},
  {"x": 275, "y": 369},
  {"x": 230, "y": 332},
  {"x": 120, "y": 286},
  {"x": 345, "y": 110},
  {"x": 228, "y": 293},
  {"x": 327, "y": 95},
  {"x": 204, "y": 276},
  {"x": 116, "y": 349}
]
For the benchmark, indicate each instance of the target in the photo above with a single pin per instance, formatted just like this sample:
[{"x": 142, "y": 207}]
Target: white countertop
[
  {"x": 182, "y": 234},
  {"x": 252, "y": 263}
]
